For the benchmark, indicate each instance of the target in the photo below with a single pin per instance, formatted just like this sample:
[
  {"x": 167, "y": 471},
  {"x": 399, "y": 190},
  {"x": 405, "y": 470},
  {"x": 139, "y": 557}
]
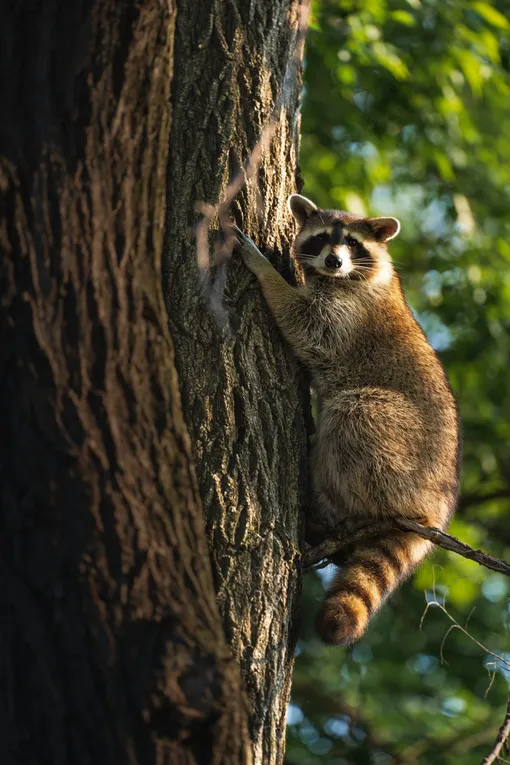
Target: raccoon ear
[
  {"x": 300, "y": 207},
  {"x": 384, "y": 228}
]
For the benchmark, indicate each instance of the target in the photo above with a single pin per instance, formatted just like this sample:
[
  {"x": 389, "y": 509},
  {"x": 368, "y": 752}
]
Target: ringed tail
[{"x": 369, "y": 575}]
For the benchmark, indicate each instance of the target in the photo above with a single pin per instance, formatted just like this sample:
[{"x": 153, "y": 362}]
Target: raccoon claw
[
  {"x": 245, "y": 246},
  {"x": 242, "y": 238},
  {"x": 250, "y": 253}
]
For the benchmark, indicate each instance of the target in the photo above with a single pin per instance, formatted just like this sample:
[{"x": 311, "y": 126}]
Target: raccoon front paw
[{"x": 250, "y": 253}]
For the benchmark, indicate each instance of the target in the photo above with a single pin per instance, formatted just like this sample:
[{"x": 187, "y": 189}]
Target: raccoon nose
[{"x": 333, "y": 261}]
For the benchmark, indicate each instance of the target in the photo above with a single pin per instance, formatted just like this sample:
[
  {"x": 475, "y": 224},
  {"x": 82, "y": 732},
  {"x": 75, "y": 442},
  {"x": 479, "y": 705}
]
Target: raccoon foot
[
  {"x": 316, "y": 531},
  {"x": 353, "y": 523}
]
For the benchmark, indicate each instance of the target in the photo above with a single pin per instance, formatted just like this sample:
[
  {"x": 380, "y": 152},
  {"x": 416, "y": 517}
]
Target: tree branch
[
  {"x": 503, "y": 734},
  {"x": 315, "y": 556}
]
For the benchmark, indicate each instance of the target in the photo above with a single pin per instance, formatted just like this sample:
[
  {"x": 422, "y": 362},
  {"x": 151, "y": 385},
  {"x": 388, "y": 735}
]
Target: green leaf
[
  {"x": 403, "y": 17},
  {"x": 492, "y": 15},
  {"x": 471, "y": 67}
]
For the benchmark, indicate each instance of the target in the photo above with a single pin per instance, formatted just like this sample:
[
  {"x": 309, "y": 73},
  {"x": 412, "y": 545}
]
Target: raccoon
[{"x": 387, "y": 441}]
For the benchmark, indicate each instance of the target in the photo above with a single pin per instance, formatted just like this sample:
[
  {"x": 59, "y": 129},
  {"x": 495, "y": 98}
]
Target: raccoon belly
[{"x": 369, "y": 455}]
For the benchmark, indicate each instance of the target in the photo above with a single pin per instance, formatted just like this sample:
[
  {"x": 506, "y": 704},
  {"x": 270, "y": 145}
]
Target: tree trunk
[
  {"x": 111, "y": 644},
  {"x": 241, "y": 390}
]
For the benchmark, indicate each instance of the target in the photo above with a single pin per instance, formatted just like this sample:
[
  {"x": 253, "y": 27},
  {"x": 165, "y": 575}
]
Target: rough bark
[
  {"x": 241, "y": 389},
  {"x": 111, "y": 645}
]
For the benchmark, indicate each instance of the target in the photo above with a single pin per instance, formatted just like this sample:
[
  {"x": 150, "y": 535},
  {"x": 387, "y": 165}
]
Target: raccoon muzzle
[{"x": 369, "y": 575}]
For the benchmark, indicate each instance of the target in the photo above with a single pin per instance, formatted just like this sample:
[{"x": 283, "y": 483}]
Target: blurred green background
[{"x": 406, "y": 112}]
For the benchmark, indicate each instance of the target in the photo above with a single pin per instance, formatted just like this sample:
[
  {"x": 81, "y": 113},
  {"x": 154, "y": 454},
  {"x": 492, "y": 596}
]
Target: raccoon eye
[
  {"x": 350, "y": 241},
  {"x": 314, "y": 245}
]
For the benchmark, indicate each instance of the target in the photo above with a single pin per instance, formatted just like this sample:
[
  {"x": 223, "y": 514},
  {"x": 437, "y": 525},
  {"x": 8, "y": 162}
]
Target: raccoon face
[{"x": 340, "y": 245}]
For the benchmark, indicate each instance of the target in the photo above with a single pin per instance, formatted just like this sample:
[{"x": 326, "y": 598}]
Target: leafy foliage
[{"x": 406, "y": 113}]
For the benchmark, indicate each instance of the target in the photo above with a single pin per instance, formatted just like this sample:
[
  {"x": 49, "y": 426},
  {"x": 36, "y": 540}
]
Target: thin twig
[
  {"x": 499, "y": 659},
  {"x": 501, "y": 739},
  {"x": 335, "y": 545}
]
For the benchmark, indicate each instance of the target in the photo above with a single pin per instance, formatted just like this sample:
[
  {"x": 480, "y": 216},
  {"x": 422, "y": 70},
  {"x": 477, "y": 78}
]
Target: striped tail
[{"x": 369, "y": 575}]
